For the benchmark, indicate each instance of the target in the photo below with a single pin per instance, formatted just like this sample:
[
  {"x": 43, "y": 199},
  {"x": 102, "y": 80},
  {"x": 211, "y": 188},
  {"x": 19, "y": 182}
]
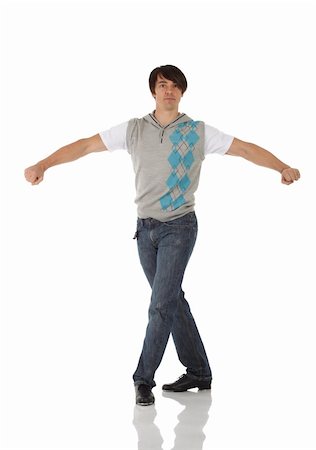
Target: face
[{"x": 167, "y": 94}]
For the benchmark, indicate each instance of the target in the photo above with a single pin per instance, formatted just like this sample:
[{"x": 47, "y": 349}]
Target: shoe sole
[
  {"x": 184, "y": 390},
  {"x": 145, "y": 404}
]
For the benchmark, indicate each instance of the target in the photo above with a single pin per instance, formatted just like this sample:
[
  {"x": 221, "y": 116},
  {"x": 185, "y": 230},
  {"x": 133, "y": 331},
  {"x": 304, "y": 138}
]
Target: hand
[
  {"x": 290, "y": 175},
  {"x": 34, "y": 174}
]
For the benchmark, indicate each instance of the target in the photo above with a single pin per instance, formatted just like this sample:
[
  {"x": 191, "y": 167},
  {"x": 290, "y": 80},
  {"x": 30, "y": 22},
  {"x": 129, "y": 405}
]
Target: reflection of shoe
[
  {"x": 200, "y": 400},
  {"x": 184, "y": 383},
  {"x": 144, "y": 416},
  {"x": 144, "y": 396}
]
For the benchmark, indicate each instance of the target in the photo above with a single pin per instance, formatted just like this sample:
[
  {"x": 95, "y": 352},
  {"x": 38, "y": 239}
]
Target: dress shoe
[
  {"x": 144, "y": 396},
  {"x": 184, "y": 383}
]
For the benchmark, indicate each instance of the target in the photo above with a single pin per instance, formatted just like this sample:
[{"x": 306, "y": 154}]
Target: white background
[{"x": 74, "y": 301}]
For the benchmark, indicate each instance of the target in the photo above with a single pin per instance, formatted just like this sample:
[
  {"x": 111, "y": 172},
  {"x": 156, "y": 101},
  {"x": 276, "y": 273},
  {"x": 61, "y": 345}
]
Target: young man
[{"x": 167, "y": 149}]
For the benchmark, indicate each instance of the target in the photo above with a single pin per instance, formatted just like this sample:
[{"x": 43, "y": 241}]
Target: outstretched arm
[
  {"x": 262, "y": 157},
  {"x": 68, "y": 153}
]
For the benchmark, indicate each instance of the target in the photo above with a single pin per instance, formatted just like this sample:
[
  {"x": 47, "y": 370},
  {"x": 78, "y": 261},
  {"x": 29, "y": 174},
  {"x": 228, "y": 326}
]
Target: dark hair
[{"x": 171, "y": 73}]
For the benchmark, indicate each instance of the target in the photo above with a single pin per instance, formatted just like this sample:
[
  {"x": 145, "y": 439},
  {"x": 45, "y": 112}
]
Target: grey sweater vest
[{"x": 167, "y": 163}]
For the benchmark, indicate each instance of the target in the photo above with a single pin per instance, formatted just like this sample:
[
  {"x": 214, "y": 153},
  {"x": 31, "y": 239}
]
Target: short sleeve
[
  {"x": 115, "y": 138},
  {"x": 216, "y": 141}
]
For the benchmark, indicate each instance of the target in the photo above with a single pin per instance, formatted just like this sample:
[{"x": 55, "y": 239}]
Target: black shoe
[
  {"x": 184, "y": 383},
  {"x": 144, "y": 396}
]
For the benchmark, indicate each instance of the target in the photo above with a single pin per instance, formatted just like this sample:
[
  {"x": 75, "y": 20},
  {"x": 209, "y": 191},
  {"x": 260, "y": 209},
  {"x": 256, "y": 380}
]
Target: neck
[{"x": 166, "y": 117}]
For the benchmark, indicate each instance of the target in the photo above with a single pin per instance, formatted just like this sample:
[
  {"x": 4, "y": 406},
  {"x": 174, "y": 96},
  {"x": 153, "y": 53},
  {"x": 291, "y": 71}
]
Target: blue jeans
[{"x": 164, "y": 250}]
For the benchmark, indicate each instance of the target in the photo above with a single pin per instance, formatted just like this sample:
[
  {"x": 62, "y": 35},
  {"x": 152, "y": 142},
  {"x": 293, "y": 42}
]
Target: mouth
[{"x": 169, "y": 98}]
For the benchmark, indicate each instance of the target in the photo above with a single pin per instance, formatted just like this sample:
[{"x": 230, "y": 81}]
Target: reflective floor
[
  {"x": 188, "y": 427},
  {"x": 67, "y": 414}
]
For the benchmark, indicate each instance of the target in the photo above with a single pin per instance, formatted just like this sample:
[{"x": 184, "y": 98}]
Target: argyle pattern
[{"x": 181, "y": 159}]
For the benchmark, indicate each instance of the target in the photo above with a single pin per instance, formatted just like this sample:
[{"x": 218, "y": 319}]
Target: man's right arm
[{"x": 68, "y": 153}]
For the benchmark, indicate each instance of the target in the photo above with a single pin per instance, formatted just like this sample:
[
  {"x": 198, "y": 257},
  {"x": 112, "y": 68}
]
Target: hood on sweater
[
  {"x": 180, "y": 119},
  {"x": 150, "y": 118}
]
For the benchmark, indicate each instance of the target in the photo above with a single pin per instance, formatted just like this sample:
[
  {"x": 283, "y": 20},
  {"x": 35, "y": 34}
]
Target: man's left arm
[{"x": 262, "y": 157}]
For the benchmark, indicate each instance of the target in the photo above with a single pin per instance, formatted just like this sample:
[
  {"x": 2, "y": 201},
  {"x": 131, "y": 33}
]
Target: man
[{"x": 167, "y": 149}]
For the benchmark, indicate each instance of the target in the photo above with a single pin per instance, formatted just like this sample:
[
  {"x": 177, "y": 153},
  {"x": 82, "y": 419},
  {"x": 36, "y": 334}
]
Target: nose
[{"x": 169, "y": 89}]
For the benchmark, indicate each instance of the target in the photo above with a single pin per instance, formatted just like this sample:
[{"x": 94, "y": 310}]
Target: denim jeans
[{"x": 164, "y": 250}]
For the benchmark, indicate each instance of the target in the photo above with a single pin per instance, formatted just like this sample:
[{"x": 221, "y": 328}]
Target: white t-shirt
[
  {"x": 215, "y": 140},
  {"x": 166, "y": 160}
]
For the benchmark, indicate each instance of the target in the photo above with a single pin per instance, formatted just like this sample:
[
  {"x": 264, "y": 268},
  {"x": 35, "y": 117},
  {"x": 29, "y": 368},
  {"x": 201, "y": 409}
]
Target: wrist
[
  {"x": 283, "y": 168},
  {"x": 43, "y": 166}
]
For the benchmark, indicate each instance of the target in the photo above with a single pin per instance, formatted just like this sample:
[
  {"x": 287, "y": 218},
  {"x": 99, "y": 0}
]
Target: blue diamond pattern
[
  {"x": 166, "y": 201},
  {"x": 178, "y": 202},
  {"x": 184, "y": 183},
  {"x": 172, "y": 180},
  {"x": 176, "y": 137},
  {"x": 174, "y": 159},
  {"x": 181, "y": 160},
  {"x": 191, "y": 138},
  {"x": 188, "y": 160}
]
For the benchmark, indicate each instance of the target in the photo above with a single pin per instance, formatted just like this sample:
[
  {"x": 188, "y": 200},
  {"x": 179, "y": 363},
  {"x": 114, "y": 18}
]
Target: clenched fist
[
  {"x": 289, "y": 175},
  {"x": 34, "y": 174}
]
